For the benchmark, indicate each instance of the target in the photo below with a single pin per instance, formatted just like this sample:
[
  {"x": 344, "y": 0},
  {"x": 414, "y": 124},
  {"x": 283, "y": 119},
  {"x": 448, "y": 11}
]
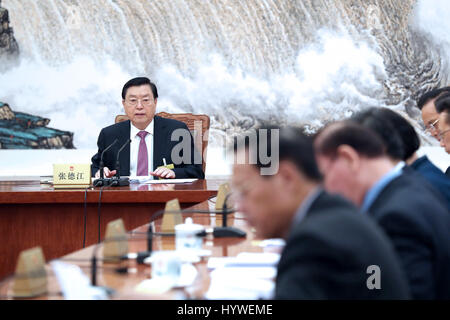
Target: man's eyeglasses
[
  {"x": 134, "y": 101},
  {"x": 442, "y": 134},
  {"x": 432, "y": 126}
]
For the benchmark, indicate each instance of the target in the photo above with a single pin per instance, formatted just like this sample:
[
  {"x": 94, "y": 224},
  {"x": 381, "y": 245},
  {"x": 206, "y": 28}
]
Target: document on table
[
  {"x": 239, "y": 288},
  {"x": 150, "y": 180},
  {"x": 245, "y": 259},
  {"x": 75, "y": 285},
  {"x": 248, "y": 276}
]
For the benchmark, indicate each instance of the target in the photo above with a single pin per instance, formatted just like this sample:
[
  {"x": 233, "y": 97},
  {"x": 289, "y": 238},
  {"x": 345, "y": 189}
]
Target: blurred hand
[
  {"x": 163, "y": 173},
  {"x": 106, "y": 173}
]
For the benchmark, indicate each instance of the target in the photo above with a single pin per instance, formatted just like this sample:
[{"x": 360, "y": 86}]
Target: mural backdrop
[{"x": 63, "y": 62}]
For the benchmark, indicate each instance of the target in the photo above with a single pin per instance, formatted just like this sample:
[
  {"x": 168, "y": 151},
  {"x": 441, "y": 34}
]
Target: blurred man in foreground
[
  {"x": 413, "y": 217},
  {"x": 331, "y": 249}
]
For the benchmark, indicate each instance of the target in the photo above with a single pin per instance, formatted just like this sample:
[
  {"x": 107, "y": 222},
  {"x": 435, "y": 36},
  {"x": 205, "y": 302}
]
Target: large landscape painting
[{"x": 301, "y": 62}]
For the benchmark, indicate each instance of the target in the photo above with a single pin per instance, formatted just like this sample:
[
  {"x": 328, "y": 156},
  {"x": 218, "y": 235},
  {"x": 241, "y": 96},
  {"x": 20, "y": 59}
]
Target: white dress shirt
[{"x": 134, "y": 147}]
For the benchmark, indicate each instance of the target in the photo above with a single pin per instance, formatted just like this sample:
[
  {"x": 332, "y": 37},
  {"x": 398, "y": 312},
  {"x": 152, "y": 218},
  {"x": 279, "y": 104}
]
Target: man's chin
[{"x": 140, "y": 122}]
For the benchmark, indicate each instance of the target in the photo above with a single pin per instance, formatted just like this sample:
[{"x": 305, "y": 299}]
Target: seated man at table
[
  {"x": 152, "y": 145},
  {"x": 402, "y": 142},
  {"x": 332, "y": 251},
  {"x": 427, "y": 106},
  {"x": 411, "y": 213},
  {"x": 443, "y": 108}
]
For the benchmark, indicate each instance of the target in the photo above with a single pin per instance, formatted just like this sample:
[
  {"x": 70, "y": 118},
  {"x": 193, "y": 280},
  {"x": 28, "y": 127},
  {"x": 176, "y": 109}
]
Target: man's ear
[
  {"x": 350, "y": 156},
  {"x": 287, "y": 175}
]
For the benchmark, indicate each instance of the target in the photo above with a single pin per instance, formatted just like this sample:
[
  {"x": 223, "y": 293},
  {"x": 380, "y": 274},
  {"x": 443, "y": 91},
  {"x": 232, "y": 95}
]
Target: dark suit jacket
[
  {"x": 162, "y": 148},
  {"x": 417, "y": 221},
  {"x": 327, "y": 255},
  {"x": 434, "y": 176}
]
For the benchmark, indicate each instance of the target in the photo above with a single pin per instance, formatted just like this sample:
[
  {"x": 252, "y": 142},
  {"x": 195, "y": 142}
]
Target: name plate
[{"x": 71, "y": 175}]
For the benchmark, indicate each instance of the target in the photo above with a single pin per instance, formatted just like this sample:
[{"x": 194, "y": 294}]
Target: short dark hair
[
  {"x": 140, "y": 81},
  {"x": 373, "y": 119},
  {"x": 430, "y": 95},
  {"x": 294, "y": 145},
  {"x": 409, "y": 136},
  {"x": 443, "y": 105},
  {"x": 364, "y": 140}
]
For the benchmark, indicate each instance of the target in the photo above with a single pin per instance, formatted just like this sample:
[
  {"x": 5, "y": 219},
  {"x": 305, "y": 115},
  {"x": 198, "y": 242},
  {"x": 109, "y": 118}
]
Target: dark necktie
[{"x": 142, "y": 164}]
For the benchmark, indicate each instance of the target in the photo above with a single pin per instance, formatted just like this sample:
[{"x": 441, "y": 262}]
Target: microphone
[
  {"x": 102, "y": 181},
  {"x": 140, "y": 257},
  {"x": 117, "y": 181},
  {"x": 218, "y": 232},
  {"x": 225, "y": 231},
  {"x": 150, "y": 238}
]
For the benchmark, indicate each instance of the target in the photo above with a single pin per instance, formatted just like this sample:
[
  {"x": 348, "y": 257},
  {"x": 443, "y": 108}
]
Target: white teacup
[
  {"x": 186, "y": 237},
  {"x": 166, "y": 264}
]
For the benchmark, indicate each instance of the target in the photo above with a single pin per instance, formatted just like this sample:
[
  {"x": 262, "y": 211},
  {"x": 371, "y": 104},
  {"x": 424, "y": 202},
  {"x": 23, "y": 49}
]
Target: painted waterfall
[{"x": 302, "y": 62}]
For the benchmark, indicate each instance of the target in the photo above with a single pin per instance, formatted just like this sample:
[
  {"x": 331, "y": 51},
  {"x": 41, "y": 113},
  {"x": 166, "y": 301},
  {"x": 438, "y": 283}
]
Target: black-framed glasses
[{"x": 135, "y": 101}]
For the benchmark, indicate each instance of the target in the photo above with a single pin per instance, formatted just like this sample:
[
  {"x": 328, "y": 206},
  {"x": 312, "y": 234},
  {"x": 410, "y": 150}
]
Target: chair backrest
[{"x": 198, "y": 124}]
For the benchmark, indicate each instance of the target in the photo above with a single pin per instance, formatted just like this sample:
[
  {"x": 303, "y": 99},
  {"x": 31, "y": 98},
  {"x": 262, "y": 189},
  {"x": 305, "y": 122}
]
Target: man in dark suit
[
  {"x": 414, "y": 217},
  {"x": 154, "y": 141},
  {"x": 443, "y": 108},
  {"x": 427, "y": 105},
  {"x": 402, "y": 142},
  {"x": 331, "y": 250}
]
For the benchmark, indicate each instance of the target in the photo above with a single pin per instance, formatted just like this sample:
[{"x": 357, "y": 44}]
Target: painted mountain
[{"x": 24, "y": 131}]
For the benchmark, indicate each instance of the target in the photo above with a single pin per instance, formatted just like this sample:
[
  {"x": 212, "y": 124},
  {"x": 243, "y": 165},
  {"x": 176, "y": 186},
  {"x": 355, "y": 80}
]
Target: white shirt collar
[{"x": 134, "y": 131}]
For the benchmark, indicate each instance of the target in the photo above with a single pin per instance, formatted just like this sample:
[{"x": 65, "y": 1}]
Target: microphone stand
[
  {"x": 102, "y": 181},
  {"x": 94, "y": 259},
  {"x": 218, "y": 232},
  {"x": 225, "y": 231},
  {"x": 117, "y": 181}
]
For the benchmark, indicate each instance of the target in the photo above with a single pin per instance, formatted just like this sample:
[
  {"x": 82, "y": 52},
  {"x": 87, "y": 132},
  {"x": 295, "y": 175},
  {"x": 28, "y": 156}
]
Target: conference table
[
  {"x": 61, "y": 221},
  {"x": 124, "y": 284}
]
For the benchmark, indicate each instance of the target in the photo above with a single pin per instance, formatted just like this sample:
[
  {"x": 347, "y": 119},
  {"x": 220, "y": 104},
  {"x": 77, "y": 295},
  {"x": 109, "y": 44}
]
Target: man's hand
[
  {"x": 163, "y": 173},
  {"x": 106, "y": 173}
]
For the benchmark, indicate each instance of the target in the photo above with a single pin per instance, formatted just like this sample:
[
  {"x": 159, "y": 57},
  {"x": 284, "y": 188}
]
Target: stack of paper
[
  {"x": 246, "y": 259},
  {"x": 74, "y": 283},
  {"x": 248, "y": 276},
  {"x": 151, "y": 180}
]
